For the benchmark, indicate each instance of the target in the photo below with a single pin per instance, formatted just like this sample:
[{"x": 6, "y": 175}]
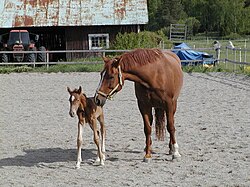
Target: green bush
[
  {"x": 143, "y": 39},
  {"x": 232, "y": 36}
]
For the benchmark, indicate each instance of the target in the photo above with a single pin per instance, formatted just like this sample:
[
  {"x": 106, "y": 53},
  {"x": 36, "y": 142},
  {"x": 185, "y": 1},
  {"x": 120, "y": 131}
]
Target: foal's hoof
[
  {"x": 147, "y": 160},
  {"x": 99, "y": 162}
]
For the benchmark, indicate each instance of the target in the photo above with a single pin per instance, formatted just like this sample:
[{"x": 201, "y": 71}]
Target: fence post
[
  {"x": 245, "y": 59},
  {"x": 240, "y": 54},
  {"x": 47, "y": 60},
  {"x": 217, "y": 47},
  {"x": 235, "y": 59},
  {"x": 226, "y": 56}
]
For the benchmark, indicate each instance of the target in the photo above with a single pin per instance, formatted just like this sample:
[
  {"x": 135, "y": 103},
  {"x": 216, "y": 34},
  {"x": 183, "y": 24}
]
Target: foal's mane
[{"x": 139, "y": 57}]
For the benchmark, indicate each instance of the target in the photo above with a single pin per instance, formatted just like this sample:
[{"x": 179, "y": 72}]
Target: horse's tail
[{"x": 160, "y": 126}]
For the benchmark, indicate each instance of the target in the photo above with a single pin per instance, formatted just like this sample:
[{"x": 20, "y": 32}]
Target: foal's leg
[
  {"x": 96, "y": 140},
  {"x": 173, "y": 146},
  {"x": 146, "y": 112},
  {"x": 103, "y": 132},
  {"x": 79, "y": 146}
]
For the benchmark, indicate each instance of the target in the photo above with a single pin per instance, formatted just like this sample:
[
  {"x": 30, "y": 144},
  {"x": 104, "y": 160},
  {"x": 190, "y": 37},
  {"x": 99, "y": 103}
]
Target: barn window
[{"x": 98, "y": 41}]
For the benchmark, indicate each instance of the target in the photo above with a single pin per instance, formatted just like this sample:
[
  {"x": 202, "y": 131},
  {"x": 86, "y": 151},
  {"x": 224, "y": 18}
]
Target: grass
[
  {"x": 222, "y": 67},
  {"x": 70, "y": 68},
  {"x": 53, "y": 68}
]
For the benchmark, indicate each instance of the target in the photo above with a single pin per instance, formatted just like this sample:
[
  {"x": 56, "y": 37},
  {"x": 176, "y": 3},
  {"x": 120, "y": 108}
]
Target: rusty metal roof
[{"x": 29, "y": 13}]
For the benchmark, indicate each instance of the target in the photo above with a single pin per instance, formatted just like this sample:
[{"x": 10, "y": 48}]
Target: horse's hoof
[
  {"x": 147, "y": 160},
  {"x": 170, "y": 152},
  {"x": 78, "y": 166},
  {"x": 103, "y": 157},
  {"x": 102, "y": 163},
  {"x": 97, "y": 159},
  {"x": 176, "y": 156}
]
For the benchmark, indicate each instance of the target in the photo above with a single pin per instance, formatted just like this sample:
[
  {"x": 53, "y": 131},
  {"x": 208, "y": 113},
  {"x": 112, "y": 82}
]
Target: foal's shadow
[{"x": 33, "y": 157}]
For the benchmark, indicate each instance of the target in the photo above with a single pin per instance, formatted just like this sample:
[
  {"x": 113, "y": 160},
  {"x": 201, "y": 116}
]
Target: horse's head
[
  {"x": 111, "y": 81},
  {"x": 74, "y": 100}
]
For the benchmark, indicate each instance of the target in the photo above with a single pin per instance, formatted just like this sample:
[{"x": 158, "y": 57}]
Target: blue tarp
[{"x": 189, "y": 54}]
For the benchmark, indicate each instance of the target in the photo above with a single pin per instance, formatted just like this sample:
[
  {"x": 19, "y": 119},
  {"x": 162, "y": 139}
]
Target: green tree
[
  {"x": 153, "y": 6},
  {"x": 164, "y": 13},
  {"x": 223, "y": 17},
  {"x": 245, "y": 29}
]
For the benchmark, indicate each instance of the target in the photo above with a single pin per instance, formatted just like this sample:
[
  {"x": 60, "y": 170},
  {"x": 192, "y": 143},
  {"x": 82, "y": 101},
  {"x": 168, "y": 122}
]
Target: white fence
[
  {"x": 48, "y": 62},
  {"x": 236, "y": 56}
]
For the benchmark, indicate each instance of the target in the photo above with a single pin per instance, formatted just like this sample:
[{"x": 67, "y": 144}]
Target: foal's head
[{"x": 76, "y": 100}]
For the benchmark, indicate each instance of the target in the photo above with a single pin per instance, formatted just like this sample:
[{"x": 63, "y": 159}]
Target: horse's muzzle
[
  {"x": 100, "y": 100},
  {"x": 71, "y": 113}
]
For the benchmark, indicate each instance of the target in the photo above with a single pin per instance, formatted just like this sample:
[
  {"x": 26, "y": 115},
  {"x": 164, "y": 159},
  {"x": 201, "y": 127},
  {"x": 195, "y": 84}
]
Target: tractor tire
[
  {"x": 4, "y": 58},
  {"x": 41, "y": 57},
  {"x": 31, "y": 57}
]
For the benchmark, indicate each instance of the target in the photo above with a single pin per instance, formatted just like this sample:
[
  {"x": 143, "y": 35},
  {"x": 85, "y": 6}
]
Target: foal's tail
[{"x": 160, "y": 126}]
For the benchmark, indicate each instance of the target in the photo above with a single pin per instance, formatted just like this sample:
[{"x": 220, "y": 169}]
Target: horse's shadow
[
  {"x": 50, "y": 156},
  {"x": 33, "y": 157}
]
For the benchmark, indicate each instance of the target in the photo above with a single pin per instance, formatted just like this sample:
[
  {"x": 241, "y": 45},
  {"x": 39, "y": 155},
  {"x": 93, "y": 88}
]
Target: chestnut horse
[
  {"x": 158, "y": 81},
  {"x": 87, "y": 112}
]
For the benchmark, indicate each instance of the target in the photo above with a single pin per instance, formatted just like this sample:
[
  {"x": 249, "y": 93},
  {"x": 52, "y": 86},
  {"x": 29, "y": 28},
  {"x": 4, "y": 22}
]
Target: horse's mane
[{"x": 139, "y": 57}]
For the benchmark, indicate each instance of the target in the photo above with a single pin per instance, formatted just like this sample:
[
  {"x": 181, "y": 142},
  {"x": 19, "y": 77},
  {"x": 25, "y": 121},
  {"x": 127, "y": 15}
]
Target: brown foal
[{"x": 88, "y": 112}]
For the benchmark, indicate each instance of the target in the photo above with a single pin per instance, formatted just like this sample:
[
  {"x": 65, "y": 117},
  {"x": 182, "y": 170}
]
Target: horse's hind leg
[
  {"x": 146, "y": 112},
  {"x": 79, "y": 146},
  {"x": 173, "y": 146}
]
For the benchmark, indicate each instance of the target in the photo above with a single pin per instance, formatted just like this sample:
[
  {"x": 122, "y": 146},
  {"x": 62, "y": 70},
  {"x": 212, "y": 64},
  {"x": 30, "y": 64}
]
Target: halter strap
[{"x": 111, "y": 94}]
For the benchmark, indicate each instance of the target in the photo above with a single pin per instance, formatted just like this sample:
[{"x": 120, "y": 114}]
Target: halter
[{"x": 112, "y": 93}]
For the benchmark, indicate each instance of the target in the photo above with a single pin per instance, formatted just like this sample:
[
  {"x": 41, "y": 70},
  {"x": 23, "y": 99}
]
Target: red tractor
[{"x": 20, "y": 40}]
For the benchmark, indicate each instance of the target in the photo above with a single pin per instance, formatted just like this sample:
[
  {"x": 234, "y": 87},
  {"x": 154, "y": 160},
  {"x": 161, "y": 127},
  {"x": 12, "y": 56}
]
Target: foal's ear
[
  {"x": 105, "y": 59},
  {"x": 69, "y": 90}
]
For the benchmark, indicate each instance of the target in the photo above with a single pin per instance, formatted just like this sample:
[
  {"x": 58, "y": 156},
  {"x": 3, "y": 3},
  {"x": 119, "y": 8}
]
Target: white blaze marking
[{"x": 100, "y": 83}]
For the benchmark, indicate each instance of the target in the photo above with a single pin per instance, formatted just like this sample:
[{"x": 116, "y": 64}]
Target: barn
[{"x": 74, "y": 24}]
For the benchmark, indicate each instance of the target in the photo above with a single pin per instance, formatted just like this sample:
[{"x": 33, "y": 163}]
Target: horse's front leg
[
  {"x": 173, "y": 146},
  {"x": 100, "y": 157},
  {"x": 146, "y": 112},
  {"x": 79, "y": 145}
]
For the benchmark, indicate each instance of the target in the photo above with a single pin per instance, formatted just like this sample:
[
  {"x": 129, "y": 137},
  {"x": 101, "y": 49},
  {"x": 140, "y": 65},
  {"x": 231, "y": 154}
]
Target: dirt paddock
[{"x": 38, "y": 137}]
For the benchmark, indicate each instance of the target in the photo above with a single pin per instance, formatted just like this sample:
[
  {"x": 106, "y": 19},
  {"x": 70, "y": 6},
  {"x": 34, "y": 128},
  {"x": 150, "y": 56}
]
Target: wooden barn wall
[
  {"x": 71, "y": 38},
  {"x": 77, "y": 37}
]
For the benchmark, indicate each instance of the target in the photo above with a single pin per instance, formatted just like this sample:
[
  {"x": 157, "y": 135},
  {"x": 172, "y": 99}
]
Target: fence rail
[{"x": 231, "y": 55}]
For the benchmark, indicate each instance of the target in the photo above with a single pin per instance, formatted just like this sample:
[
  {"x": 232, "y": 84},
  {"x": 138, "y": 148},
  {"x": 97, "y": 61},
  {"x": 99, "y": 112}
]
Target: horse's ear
[
  {"x": 116, "y": 62},
  {"x": 69, "y": 90},
  {"x": 105, "y": 59},
  {"x": 80, "y": 90}
]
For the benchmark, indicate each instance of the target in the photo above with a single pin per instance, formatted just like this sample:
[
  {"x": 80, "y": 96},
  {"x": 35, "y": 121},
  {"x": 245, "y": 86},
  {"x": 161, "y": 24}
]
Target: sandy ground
[{"x": 38, "y": 137}]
